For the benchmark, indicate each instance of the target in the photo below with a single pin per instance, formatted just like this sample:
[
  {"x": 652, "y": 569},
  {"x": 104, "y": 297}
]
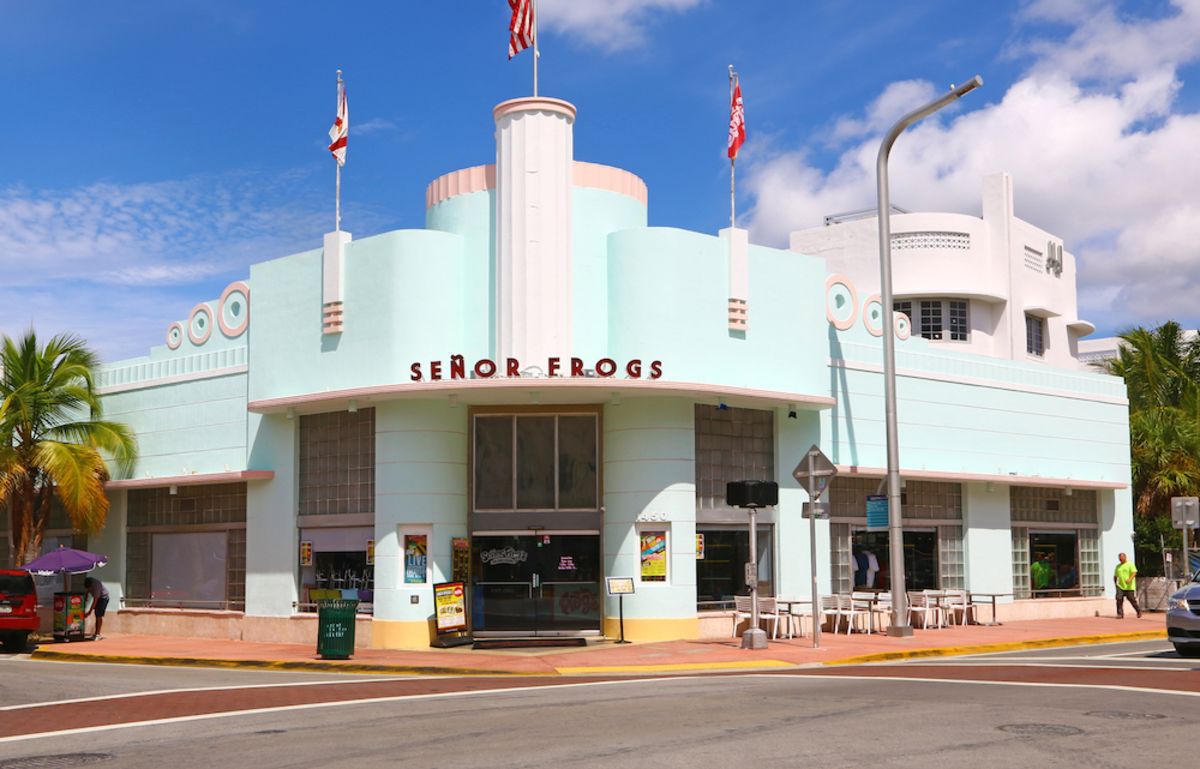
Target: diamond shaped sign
[{"x": 817, "y": 480}]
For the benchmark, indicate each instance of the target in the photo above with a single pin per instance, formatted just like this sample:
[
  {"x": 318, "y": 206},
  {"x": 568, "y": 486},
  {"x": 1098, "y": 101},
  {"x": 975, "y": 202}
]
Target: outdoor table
[
  {"x": 873, "y": 600},
  {"x": 937, "y": 596},
  {"x": 786, "y": 604},
  {"x": 993, "y": 596}
]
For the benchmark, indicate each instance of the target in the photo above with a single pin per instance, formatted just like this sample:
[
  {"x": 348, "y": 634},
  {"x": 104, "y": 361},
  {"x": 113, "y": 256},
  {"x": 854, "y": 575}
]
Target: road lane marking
[
  {"x": 792, "y": 677},
  {"x": 186, "y": 690},
  {"x": 331, "y": 704}
]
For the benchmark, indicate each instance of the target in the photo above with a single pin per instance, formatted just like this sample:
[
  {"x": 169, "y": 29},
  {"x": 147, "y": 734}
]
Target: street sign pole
[
  {"x": 814, "y": 473},
  {"x": 812, "y": 561},
  {"x": 750, "y": 639}
]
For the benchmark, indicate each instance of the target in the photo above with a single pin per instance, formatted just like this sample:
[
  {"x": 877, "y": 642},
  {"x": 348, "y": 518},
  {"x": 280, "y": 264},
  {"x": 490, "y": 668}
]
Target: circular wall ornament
[
  {"x": 903, "y": 326},
  {"x": 841, "y": 302},
  {"x": 873, "y": 315},
  {"x": 233, "y": 310},
  {"x": 200, "y": 324},
  {"x": 174, "y": 335}
]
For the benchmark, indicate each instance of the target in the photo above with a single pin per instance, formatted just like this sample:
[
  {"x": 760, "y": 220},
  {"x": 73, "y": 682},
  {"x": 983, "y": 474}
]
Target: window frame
[
  {"x": 945, "y": 307},
  {"x": 1037, "y": 350},
  {"x": 514, "y": 414}
]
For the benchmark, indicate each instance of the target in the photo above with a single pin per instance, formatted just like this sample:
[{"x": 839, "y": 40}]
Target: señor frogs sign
[{"x": 485, "y": 368}]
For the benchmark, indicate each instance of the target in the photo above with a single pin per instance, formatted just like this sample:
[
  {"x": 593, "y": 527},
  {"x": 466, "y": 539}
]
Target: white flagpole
[
  {"x": 337, "y": 189},
  {"x": 536, "y": 54},
  {"x": 732, "y": 161}
]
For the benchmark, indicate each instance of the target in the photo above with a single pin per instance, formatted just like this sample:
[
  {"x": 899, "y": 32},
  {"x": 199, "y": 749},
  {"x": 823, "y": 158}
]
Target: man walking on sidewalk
[{"x": 1125, "y": 578}]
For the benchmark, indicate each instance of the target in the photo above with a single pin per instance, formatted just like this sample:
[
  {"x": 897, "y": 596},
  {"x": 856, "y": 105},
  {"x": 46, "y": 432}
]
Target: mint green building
[{"x": 538, "y": 391}]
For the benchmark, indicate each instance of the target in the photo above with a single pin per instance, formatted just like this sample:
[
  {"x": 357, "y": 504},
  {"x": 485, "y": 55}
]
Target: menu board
[{"x": 450, "y": 606}]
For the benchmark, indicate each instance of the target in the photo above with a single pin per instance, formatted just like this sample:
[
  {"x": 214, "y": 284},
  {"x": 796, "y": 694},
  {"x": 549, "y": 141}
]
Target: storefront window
[
  {"x": 187, "y": 547},
  {"x": 1054, "y": 564},
  {"x": 336, "y": 562},
  {"x": 188, "y": 570},
  {"x": 536, "y": 462},
  {"x": 721, "y": 572},
  {"x": 870, "y": 560}
]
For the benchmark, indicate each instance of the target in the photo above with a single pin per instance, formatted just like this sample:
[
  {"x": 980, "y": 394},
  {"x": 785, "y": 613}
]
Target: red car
[{"x": 18, "y": 609}]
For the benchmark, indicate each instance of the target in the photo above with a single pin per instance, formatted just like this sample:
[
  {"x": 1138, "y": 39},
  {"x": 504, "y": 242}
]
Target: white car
[{"x": 1183, "y": 619}]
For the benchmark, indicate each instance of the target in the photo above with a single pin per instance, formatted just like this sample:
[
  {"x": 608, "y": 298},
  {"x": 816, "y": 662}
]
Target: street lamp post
[{"x": 899, "y": 625}]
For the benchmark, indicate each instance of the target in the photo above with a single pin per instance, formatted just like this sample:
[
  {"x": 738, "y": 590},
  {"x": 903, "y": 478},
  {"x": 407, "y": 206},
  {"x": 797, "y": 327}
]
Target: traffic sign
[
  {"x": 814, "y": 472},
  {"x": 1185, "y": 512}
]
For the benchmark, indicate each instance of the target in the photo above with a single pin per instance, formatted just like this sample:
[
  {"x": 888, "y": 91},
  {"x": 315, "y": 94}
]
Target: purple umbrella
[{"x": 65, "y": 560}]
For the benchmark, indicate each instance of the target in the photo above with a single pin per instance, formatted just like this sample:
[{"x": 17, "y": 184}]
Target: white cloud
[
  {"x": 1111, "y": 167},
  {"x": 609, "y": 24},
  {"x": 374, "y": 125},
  {"x": 120, "y": 261}
]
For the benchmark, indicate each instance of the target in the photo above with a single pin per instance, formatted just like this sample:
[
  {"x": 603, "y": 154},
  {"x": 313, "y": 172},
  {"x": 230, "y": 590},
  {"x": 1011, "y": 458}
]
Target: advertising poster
[
  {"x": 654, "y": 556},
  {"x": 699, "y": 547},
  {"x": 460, "y": 559},
  {"x": 416, "y": 558},
  {"x": 450, "y": 606},
  {"x": 306, "y": 553},
  {"x": 370, "y": 552}
]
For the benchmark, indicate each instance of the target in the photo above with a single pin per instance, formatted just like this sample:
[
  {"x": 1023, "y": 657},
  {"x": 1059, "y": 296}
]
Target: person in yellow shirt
[{"x": 1125, "y": 578}]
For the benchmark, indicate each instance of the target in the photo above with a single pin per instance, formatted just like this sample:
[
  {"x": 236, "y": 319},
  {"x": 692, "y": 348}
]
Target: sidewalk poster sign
[{"x": 450, "y": 606}]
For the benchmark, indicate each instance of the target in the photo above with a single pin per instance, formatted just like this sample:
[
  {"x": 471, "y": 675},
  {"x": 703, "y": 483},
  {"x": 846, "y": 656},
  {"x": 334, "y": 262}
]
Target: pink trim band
[
  {"x": 591, "y": 175},
  {"x": 503, "y": 390},
  {"x": 1009, "y": 480},
  {"x": 198, "y": 479},
  {"x": 534, "y": 104}
]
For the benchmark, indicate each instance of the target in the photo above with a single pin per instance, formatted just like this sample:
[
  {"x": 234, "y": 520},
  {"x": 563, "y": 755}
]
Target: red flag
[
  {"x": 520, "y": 29},
  {"x": 340, "y": 130},
  {"x": 737, "y": 122}
]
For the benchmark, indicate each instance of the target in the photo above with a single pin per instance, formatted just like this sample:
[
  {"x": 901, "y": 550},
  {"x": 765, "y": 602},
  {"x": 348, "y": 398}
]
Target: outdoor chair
[
  {"x": 768, "y": 609},
  {"x": 958, "y": 602},
  {"x": 919, "y": 605},
  {"x": 871, "y": 605}
]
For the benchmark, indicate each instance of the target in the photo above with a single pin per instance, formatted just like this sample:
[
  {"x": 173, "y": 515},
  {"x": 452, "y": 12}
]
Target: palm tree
[
  {"x": 1161, "y": 368},
  {"x": 53, "y": 441}
]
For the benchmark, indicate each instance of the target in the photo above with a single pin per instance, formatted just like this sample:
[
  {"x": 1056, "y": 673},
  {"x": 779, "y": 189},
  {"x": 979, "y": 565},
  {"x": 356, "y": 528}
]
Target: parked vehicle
[
  {"x": 1183, "y": 619},
  {"x": 18, "y": 609}
]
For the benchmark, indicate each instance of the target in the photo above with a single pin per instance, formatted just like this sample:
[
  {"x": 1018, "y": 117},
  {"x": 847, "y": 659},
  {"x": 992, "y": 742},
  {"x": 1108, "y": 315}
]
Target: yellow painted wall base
[
  {"x": 397, "y": 634},
  {"x": 653, "y": 629}
]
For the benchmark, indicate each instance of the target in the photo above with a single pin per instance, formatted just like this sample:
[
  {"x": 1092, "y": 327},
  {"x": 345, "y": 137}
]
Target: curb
[
  {"x": 1037, "y": 643},
  {"x": 310, "y": 666}
]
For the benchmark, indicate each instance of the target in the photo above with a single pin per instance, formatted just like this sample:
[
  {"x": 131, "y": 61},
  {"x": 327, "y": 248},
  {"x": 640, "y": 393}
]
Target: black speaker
[{"x": 752, "y": 493}]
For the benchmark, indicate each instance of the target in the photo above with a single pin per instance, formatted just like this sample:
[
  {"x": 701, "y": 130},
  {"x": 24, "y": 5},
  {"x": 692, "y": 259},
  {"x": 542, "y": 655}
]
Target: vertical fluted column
[{"x": 534, "y": 162}]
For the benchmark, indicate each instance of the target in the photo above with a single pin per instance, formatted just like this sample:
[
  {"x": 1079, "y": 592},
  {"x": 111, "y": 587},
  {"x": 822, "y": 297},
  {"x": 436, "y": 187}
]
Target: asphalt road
[{"x": 994, "y": 710}]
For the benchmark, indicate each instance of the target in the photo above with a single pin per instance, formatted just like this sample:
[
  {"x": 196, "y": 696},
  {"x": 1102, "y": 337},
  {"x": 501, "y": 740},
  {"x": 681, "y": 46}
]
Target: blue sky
[{"x": 156, "y": 149}]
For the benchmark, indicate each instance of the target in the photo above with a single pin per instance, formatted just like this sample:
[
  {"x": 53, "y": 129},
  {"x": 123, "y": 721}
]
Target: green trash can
[{"x": 335, "y": 628}]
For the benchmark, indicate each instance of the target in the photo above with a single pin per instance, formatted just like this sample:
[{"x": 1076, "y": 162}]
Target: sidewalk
[{"x": 607, "y": 657}]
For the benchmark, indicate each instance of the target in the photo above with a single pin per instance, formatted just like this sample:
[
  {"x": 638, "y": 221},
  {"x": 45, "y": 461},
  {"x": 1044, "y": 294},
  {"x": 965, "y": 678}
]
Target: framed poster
[
  {"x": 416, "y": 558},
  {"x": 877, "y": 512},
  {"x": 306, "y": 553},
  {"x": 654, "y": 556},
  {"x": 370, "y": 552},
  {"x": 460, "y": 559},
  {"x": 699, "y": 547},
  {"x": 450, "y": 606}
]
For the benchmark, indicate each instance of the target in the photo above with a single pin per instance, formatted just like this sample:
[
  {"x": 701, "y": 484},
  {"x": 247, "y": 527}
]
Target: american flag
[
  {"x": 340, "y": 130},
  {"x": 520, "y": 29},
  {"x": 737, "y": 122}
]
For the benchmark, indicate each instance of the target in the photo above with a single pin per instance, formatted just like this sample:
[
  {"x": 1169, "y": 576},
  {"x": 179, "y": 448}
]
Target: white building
[{"x": 993, "y": 285}]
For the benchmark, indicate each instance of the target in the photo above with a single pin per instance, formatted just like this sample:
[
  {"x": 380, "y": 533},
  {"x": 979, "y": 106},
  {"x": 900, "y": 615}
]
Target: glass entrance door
[{"x": 544, "y": 584}]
